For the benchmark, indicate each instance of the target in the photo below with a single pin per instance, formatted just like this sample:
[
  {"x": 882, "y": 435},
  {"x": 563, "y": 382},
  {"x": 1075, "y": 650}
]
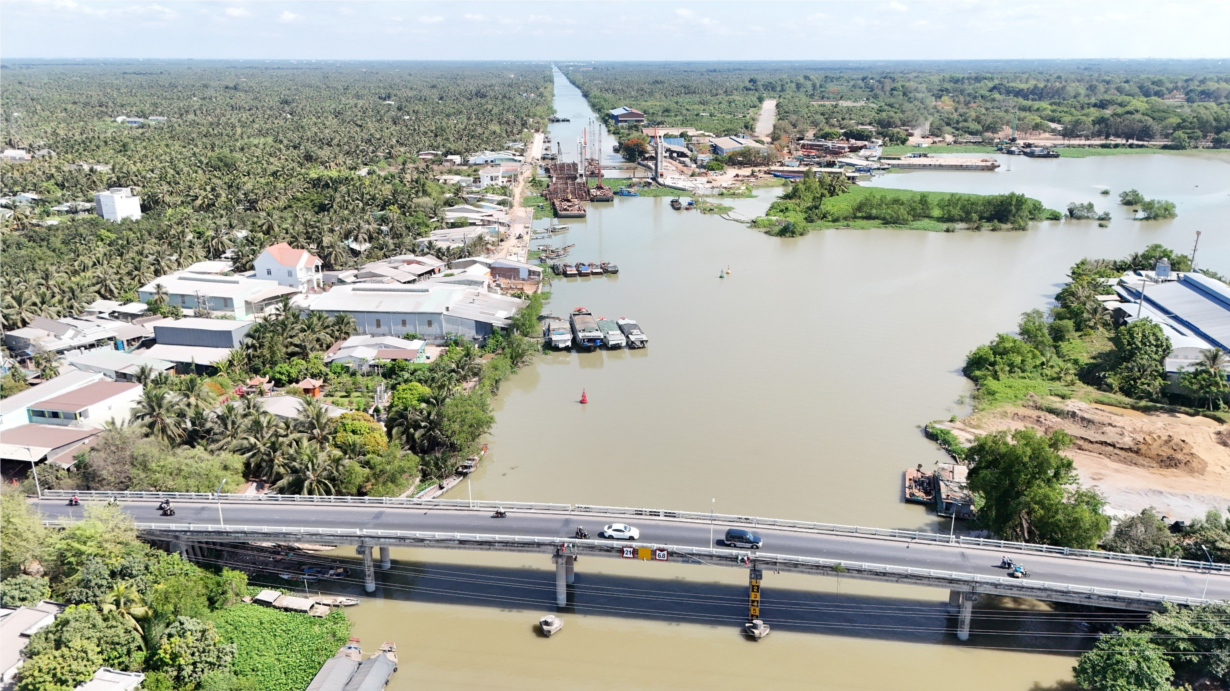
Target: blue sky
[{"x": 615, "y": 29}]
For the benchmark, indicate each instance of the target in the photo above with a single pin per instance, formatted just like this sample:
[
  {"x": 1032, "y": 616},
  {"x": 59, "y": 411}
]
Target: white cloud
[
  {"x": 817, "y": 18},
  {"x": 345, "y": 11},
  {"x": 431, "y": 19},
  {"x": 237, "y": 12},
  {"x": 921, "y": 23},
  {"x": 898, "y": 7},
  {"x": 288, "y": 17},
  {"x": 685, "y": 13},
  {"x": 475, "y": 18}
]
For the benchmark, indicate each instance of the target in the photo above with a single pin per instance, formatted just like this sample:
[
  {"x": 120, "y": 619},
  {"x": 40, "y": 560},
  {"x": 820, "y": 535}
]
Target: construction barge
[
  {"x": 585, "y": 332},
  {"x": 929, "y": 162}
]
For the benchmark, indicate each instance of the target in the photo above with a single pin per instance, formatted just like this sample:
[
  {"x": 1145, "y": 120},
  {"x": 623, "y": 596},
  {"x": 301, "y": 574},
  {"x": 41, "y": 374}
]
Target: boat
[
  {"x": 919, "y": 486},
  {"x": 389, "y": 650},
  {"x": 676, "y": 204},
  {"x": 601, "y": 193},
  {"x": 550, "y": 625},
  {"x": 570, "y": 271},
  {"x": 582, "y": 269},
  {"x": 1041, "y": 152},
  {"x": 625, "y": 192},
  {"x": 595, "y": 269},
  {"x": 756, "y": 629},
  {"x": 556, "y": 118},
  {"x": 632, "y": 332},
  {"x": 298, "y": 577},
  {"x": 554, "y": 227},
  {"x": 468, "y": 466},
  {"x": 325, "y": 571},
  {"x": 615, "y": 148},
  {"x": 691, "y": 205},
  {"x": 337, "y": 601},
  {"x": 585, "y": 332},
  {"x": 609, "y": 268},
  {"x": 612, "y": 336},
  {"x": 557, "y": 334}
]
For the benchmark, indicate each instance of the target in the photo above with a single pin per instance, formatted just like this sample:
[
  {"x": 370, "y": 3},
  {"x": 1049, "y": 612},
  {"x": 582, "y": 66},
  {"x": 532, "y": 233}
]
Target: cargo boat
[
  {"x": 919, "y": 486},
  {"x": 612, "y": 336},
  {"x": 609, "y": 268},
  {"x": 557, "y": 334},
  {"x": 585, "y": 332},
  {"x": 570, "y": 271},
  {"x": 595, "y": 269},
  {"x": 632, "y": 332},
  {"x": 582, "y": 269}
]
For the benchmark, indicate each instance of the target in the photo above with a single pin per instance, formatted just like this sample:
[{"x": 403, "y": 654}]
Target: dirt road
[{"x": 768, "y": 118}]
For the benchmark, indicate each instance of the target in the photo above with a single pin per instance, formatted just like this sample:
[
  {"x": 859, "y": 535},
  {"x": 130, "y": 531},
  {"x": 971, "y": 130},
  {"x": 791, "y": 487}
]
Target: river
[{"x": 793, "y": 388}]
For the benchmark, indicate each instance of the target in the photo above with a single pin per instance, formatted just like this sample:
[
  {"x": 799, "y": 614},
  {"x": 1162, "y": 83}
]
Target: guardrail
[
  {"x": 723, "y": 557},
  {"x": 662, "y": 514}
]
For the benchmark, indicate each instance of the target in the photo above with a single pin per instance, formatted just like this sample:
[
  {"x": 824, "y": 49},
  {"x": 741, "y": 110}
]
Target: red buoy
[{"x": 584, "y": 398}]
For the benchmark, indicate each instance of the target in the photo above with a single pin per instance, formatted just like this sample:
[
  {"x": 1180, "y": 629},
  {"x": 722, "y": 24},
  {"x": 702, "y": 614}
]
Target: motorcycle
[
  {"x": 1018, "y": 571},
  {"x": 168, "y": 511},
  {"x": 74, "y": 501},
  {"x": 1006, "y": 563},
  {"x": 499, "y": 513},
  {"x": 581, "y": 534}
]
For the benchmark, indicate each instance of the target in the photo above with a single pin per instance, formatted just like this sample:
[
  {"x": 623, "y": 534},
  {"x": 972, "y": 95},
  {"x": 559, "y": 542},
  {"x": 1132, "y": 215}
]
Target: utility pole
[
  {"x": 712, "y": 508},
  {"x": 218, "y": 496},
  {"x": 1194, "y": 248},
  {"x": 1141, "y": 305},
  {"x": 34, "y": 469},
  {"x": 1210, "y": 573}
]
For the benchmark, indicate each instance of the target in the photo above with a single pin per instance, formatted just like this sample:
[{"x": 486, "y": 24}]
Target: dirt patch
[{"x": 1177, "y": 464}]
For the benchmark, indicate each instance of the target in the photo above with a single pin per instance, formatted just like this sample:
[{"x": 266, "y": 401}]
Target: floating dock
[{"x": 929, "y": 162}]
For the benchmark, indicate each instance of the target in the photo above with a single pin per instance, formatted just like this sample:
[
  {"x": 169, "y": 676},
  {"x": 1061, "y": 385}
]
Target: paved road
[
  {"x": 1054, "y": 569},
  {"x": 768, "y": 118}
]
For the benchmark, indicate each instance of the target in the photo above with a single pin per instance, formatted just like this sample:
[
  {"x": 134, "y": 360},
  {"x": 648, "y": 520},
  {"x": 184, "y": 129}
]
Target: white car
[{"x": 620, "y": 531}]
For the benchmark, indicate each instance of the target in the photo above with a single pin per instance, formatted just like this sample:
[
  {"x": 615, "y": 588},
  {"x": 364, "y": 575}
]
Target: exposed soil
[{"x": 1177, "y": 464}]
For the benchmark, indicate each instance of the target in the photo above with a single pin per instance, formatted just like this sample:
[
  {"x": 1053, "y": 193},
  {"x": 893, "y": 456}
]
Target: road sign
[
  {"x": 644, "y": 553},
  {"x": 629, "y": 553},
  {"x": 753, "y": 597},
  {"x": 661, "y": 554}
]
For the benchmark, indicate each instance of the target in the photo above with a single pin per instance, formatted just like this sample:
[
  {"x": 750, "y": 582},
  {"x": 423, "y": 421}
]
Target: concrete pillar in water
[
  {"x": 369, "y": 573},
  {"x": 561, "y": 579},
  {"x": 967, "y": 614},
  {"x": 570, "y": 570},
  {"x": 954, "y": 599},
  {"x": 385, "y": 561}
]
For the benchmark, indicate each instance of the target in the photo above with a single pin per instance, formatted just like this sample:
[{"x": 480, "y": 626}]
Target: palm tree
[
  {"x": 226, "y": 425},
  {"x": 312, "y": 469},
  {"x": 126, "y": 602},
  {"x": 162, "y": 415},
  {"x": 314, "y": 423},
  {"x": 1214, "y": 359},
  {"x": 195, "y": 394}
]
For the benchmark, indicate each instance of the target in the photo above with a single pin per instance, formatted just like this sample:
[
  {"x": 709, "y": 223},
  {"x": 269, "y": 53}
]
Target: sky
[{"x": 615, "y": 29}]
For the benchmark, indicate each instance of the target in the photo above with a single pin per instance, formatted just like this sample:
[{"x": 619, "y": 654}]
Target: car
[
  {"x": 620, "y": 531},
  {"x": 737, "y": 537}
]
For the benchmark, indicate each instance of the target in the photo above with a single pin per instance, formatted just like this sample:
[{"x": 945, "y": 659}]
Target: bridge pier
[
  {"x": 563, "y": 576},
  {"x": 965, "y": 601},
  {"x": 369, "y": 573},
  {"x": 570, "y": 570},
  {"x": 385, "y": 561}
]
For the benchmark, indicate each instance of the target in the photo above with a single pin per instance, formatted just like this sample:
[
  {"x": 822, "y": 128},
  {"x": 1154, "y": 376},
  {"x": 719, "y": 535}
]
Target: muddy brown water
[{"x": 792, "y": 388}]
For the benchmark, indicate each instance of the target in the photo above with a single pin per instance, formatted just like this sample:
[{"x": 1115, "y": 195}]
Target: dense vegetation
[
  {"x": 1179, "y": 645},
  {"x": 135, "y": 608},
  {"x": 828, "y": 201},
  {"x": 249, "y": 155},
  {"x": 1140, "y": 100}
]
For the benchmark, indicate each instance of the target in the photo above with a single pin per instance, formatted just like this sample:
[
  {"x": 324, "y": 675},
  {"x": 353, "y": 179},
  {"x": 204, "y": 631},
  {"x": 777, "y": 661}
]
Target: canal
[{"x": 794, "y": 387}]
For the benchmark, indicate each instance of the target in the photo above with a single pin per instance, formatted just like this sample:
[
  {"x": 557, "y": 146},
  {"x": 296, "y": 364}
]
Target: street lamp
[
  {"x": 712, "y": 508},
  {"x": 34, "y": 469},
  {"x": 218, "y": 496},
  {"x": 1206, "y": 576}
]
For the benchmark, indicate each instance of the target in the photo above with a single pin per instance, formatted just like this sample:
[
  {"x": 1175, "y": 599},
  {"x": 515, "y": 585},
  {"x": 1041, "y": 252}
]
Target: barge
[
  {"x": 582, "y": 269},
  {"x": 570, "y": 271},
  {"x": 612, "y": 336},
  {"x": 557, "y": 334},
  {"x": 585, "y": 332},
  {"x": 595, "y": 269},
  {"x": 929, "y": 162},
  {"x": 919, "y": 486},
  {"x": 632, "y": 332},
  {"x": 609, "y": 268},
  {"x": 569, "y": 208}
]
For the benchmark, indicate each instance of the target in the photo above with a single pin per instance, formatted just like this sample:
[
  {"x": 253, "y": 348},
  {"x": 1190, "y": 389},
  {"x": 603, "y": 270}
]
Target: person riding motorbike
[
  {"x": 581, "y": 534},
  {"x": 499, "y": 513},
  {"x": 74, "y": 501},
  {"x": 166, "y": 508},
  {"x": 1005, "y": 563}
]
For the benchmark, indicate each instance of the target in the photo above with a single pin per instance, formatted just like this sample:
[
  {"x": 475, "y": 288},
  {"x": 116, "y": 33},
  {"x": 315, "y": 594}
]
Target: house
[
  {"x": 89, "y": 167},
  {"x": 515, "y": 271},
  {"x": 196, "y": 343},
  {"x": 35, "y": 443},
  {"x": 16, "y": 628},
  {"x": 489, "y": 157},
  {"x": 118, "y": 365},
  {"x": 43, "y": 335},
  {"x": 93, "y": 405},
  {"x": 289, "y": 407},
  {"x": 432, "y": 312},
  {"x": 624, "y": 115},
  {"x": 724, "y": 145},
  {"x": 15, "y": 155},
  {"x": 476, "y": 215},
  {"x": 298, "y": 269},
  {"x": 14, "y": 410},
  {"x": 455, "y": 179},
  {"x": 107, "y": 679},
  {"x": 26, "y": 198},
  {"x": 429, "y": 155},
  {"x": 118, "y": 204},
  {"x": 310, "y": 387},
  {"x": 490, "y": 176},
  {"x": 453, "y": 160},
  {"x": 1193, "y": 311},
  {"x": 460, "y": 237},
  {"x": 235, "y": 296},
  {"x": 359, "y": 352},
  {"x": 476, "y": 275}
]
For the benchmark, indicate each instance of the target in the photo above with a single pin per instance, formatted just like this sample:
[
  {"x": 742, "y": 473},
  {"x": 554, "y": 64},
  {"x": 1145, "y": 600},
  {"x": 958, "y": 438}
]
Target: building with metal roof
[{"x": 433, "y": 312}]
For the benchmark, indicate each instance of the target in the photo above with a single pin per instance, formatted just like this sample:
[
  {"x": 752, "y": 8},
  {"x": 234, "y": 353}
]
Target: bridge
[{"x": 965, "y": 566}]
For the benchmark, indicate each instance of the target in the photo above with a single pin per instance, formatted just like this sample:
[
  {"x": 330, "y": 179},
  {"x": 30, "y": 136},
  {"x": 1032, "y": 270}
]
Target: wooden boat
[
  {"x": 582, "y": 269},
  {"x": 550, "y": 625},
  {"x": 389, "y": 650},
  {"x": 595, "y": 269},
  {"x": 919, "y": 486},
  {"x": 676, "y": 204},
  {"x": 337, "y": 601},
  {"x": 609, "y": 268},
  {"x": 756, "y": 629},
  {"x": 570, "y": 271},
  {"x": 625, "y": 192}
]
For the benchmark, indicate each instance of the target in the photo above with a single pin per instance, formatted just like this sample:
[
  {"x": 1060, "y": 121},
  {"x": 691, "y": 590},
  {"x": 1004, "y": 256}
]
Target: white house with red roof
[{"x": 298, "y": 269}]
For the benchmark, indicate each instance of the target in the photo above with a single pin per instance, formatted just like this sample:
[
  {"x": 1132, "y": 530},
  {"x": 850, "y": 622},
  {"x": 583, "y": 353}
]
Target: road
[
  {"x": 768, "y": 118},
  {"x": 1054, "y": 569}
]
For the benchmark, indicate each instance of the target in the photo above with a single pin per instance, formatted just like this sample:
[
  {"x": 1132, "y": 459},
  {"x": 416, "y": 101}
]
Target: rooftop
[
  {"x": 86, "y": 396},
  {"x": 185, "y": 283},
  {"x": 286, "y": 255},
  {"x": 201, "y": 355},
  {"x": 438, "y": 299},
  {"x": 202, "y": 324},
  {"x": 54, "y": 387}
]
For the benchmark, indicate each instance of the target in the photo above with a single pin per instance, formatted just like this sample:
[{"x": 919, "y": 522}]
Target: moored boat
[
  {"x": 595, "y": 269},
  {"x": 756, "y": 629},
  {"x": 585, "y": 332},
  {"x": 550, "y": 625},
  {"x": 632, "y": 332},
  {"x": 557, "y": 334},
  {"x": 612, "y": 336},
  {"x": 609, "y": 268},
  {"x": 570, "y": 271},
  {"x": 582, "y": 269},
  {"x": 625, "y": 192},
  {"x": 676, "y": 204}
]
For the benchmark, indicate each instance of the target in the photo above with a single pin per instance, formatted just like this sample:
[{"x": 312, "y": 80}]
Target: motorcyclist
[
  {"x": 1005, "y": 562},
  {"x": 499, "y": 513},
  {"x": 74, "y": 501},
  {"x": 581, "y": 533},
  {"x": 166, "y": 507}
]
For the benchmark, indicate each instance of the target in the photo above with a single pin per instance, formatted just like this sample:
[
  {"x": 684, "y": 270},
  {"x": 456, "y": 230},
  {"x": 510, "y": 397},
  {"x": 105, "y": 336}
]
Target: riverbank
[
  {"x": 1064, "y": 151},
  {"x": 1177, "y": 464}
]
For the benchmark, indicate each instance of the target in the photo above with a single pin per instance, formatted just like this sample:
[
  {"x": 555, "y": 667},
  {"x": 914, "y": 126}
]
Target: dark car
[{"x": 737, "y": 537}]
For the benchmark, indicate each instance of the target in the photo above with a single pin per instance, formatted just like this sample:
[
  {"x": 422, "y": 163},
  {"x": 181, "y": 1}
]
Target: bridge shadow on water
[{"x": 1001, "y": 623}]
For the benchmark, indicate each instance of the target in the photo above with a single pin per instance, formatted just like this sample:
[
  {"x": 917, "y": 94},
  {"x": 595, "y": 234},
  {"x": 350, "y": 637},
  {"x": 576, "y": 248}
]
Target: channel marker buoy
[{"x": 584, "y": 398}]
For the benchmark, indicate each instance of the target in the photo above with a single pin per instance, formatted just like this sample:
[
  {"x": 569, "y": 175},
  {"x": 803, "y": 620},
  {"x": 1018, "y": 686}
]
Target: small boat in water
[
  {"x": 570, "y": 271},
  {"x": 609, "y": 268},
  {"x": 676, "y": 204},
  {"x": 338, "y": 601},
  {"x": 325, "y": 572},
  {"x": 632, "y": 332},
  {"x": 582, "y": 269},
  {"x": 612, "y": 336},
  {"x": 756, "y": 629},
  {"x": 298, "y": 577},
  {"x": 625, "y": 192},
  {"x": 550, "y": 625},
  {"x": 585, "y": 332},
  {"x": 557, "y": 334},
  {"x": 595, "y": 269}
]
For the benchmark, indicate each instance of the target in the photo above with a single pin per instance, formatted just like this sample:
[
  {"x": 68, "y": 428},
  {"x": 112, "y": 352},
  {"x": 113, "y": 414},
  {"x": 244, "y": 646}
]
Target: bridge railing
[
  {"x": 661, "y": 514},
  {"x": 724, "y": 557}
]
